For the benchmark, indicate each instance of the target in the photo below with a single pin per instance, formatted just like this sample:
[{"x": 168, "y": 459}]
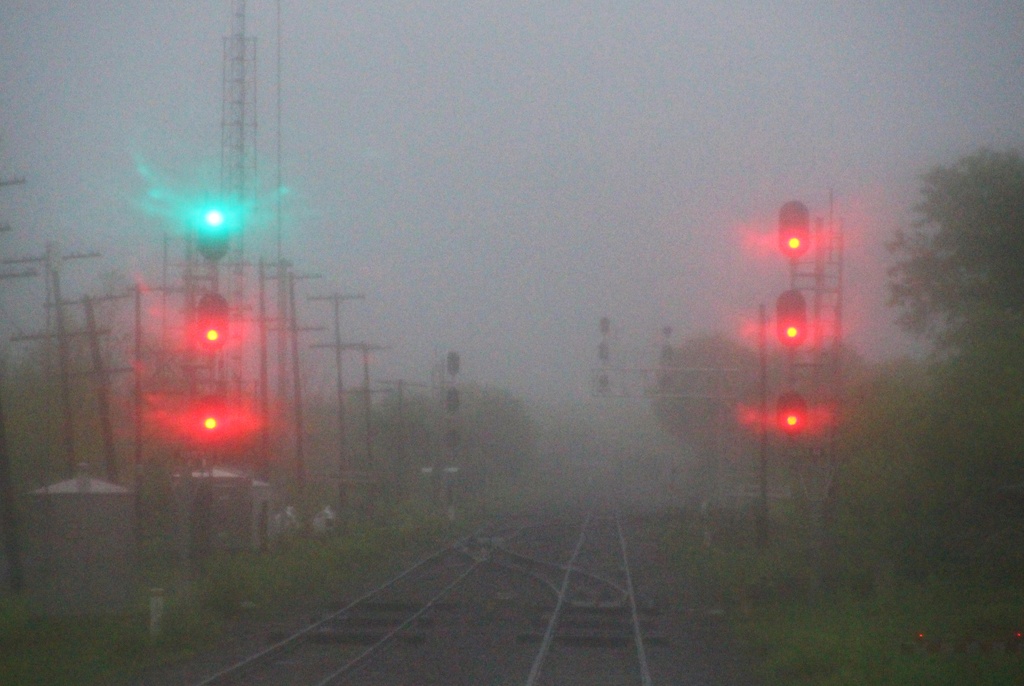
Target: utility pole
[
  {"x": 263, "y": 469},
  {"x": 300, "y": 458},
  {"x": 137, "y": 394},
  {"x": 102, "y": 374},
  {"x": 344, "y": 466},
  {"x": 103, "y": 397},
  {"x": 366, "y": 349},
  {"x": 63, "y": 355},
  {"x": 367, "y": 400},
  {"x": 51, "y": 261},
  {"x": 300, "y": 455},
  {"x": 8, "y": 513}
]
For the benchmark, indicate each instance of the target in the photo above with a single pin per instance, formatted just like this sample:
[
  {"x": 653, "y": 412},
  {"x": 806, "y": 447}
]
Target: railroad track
[
  {"x": 326, "y": 650},
  {"x": 595, "y": 629},
  {"x": 547, "y": 603}
]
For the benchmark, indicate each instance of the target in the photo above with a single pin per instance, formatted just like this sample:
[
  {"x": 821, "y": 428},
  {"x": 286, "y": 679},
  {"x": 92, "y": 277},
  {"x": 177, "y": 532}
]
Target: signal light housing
[
  {"x": 212, "y": 313},
  {"x": 214, "y": 226},
  {"x": 791, "y": 318},
  {"x": 791, "y": 413},
  {"x": 794, "y": 229},
  {"x": 210, "y": 421},
  {"x": 452, "y": 362}
]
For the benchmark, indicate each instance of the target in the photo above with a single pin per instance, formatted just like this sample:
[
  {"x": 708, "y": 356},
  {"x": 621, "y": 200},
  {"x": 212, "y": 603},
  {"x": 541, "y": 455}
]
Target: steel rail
[
  {"x": 641, "y": 654},
  {"x": 555, "y": 565},
  {"x": 530, "y": 573},
  {"x": 352, "y": 664},
  {"x": 549, "y": 633},
  {"x": 242, "y": 666}
]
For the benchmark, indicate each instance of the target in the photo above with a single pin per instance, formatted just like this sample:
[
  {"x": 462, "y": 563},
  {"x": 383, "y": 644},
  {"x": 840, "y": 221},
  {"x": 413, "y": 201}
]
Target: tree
[
  {"x": 957, "y": 280},
  {"x": 701, "y": 386},
  {"x": 498, "y": 436},
  {"x": 957, "y": 274}
]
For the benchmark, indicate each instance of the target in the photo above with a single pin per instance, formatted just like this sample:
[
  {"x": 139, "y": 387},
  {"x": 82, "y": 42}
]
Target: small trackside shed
[{"x": 81, "y": 546}]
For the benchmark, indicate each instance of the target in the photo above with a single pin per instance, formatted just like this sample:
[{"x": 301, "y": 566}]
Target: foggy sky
[{"x": 498, "y": 176}]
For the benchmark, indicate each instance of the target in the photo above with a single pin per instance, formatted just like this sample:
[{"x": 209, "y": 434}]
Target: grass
[
  {"x": 90, "y": 650},
  {"x": 852, "y": 632},
  {"x": 840, "y": 639},
  {"x": 104, "y": 649}
]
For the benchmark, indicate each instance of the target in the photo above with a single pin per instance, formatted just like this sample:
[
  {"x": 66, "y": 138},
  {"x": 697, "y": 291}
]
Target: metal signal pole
[{"x": 762, "y": 350}]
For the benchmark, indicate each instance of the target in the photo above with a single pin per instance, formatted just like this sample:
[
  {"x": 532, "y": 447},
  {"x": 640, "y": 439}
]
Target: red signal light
[
  {"x": 212, "y": 313},
  {"x": 216, "y": 420},
  {"x": 794, "y": 229},
  {"x": 791, "y": 318},
  {"x": 791, "y": 412},
  {"x": 209, "y": 419}
]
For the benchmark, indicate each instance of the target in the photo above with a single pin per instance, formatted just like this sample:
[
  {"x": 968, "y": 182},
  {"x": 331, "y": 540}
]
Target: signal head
[
  {"x": 791, "y": 318},
  {"x": 214, "y": 226},
  {"x": 209, "y": 418},
  {"x": 214, "y": 218},
  {"x": 212, "y": 313},
  {"x": 791, "y": 413},
  {"x": 794, "y": 229}
]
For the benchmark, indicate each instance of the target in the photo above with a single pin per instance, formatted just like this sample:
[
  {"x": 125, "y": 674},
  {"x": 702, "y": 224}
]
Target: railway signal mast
[
  {"x": 214, "y": 362},
  {"x": 809, "y": 326}
]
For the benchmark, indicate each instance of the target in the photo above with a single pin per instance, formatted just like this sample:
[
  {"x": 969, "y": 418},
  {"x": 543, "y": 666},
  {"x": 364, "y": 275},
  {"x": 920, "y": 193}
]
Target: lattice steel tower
[{"x": 238, "y": 152}]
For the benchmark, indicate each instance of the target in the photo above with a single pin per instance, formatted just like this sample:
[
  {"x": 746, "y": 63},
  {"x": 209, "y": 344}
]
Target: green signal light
[
  {"x": 214, "y": 226},
  {"x": 218, "y": 218},
  {"x": 214, "y": 219}
]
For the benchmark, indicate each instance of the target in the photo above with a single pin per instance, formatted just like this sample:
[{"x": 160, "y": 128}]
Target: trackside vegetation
[
  {"x": 915, "y": 578},
  {"x": 864, "y": 627},
  {"x": 301, "y": 572}
]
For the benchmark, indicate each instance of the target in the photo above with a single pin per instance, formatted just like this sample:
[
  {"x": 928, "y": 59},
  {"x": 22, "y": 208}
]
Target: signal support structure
[{"x": 815, "y": 369}]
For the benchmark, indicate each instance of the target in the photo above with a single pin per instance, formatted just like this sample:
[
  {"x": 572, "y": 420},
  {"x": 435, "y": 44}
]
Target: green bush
[
  {"x": 110, "y": 649},
  {"x": 805, "y": 632}
]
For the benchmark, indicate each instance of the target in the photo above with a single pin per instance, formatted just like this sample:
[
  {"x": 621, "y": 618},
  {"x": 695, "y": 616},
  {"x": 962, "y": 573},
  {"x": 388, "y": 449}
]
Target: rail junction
[{"x": 558, "y": 599}]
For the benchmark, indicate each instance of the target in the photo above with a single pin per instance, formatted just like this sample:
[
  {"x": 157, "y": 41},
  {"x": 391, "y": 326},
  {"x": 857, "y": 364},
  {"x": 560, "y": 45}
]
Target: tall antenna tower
[
  {"x": 238, "y": 122},
  {"x": 238, "y": 150}
]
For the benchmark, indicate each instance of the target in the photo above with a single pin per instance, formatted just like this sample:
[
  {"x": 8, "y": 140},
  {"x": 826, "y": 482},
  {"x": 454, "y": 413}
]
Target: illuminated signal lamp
[
  {"x": 794, "y": 229},
  {"x": 212, "y": 313},
  {"x": 214, "y": 218},
  {"x": 214, "y": 226},
  {"x": 210, "y": 417},
  {"x": 791, "y": 318},
  {"x": 791, "y": 412}
]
